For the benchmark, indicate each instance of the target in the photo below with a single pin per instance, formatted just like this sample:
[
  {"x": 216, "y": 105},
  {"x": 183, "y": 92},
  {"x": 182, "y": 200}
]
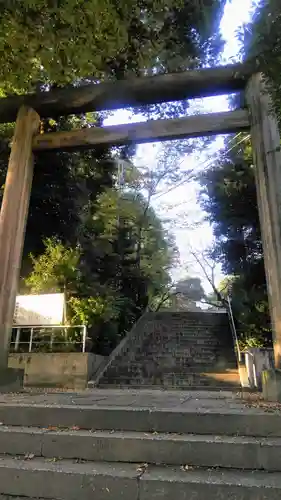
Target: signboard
[{"x": 34, "y": 310}]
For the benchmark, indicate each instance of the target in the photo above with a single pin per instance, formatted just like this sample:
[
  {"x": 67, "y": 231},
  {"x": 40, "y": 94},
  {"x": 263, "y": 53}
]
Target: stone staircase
[
  {"x": 175, "y": 350},
  {"x": 86, "y": 452}
]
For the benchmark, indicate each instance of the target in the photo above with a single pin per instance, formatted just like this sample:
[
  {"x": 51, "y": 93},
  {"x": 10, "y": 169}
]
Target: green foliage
[
  {"x": 111, "y": 275},
  {"x": 55, "y": 268},
  {"x": 67, "y": 340},
  {"x": 262, "y": 43},
  {"x": 63, "y": 41},
  {"x": 228, "y": 196},
  {"x": 88, "y": 310},
  {"x": 251, "y": 341},
  {"x": 110, "y": 253},
  {"x": 226, "y": 284},
  {"x": 57, "y": 41}
]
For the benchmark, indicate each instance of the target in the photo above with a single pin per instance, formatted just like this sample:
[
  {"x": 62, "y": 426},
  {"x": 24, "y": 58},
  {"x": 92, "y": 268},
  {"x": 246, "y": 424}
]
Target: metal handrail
[
  {"x": 18, "y": 329},
  {"x": 233, "y": 329}
]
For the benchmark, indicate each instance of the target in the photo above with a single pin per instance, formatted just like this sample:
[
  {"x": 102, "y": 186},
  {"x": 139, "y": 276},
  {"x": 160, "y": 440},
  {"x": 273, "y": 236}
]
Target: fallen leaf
[
  {"x": 186, "y": 467},
  {"x": 52, "y": 428},
  {"x": 75, "y": 428},
  {"x": 142, "y": 468},
  {"x": 29, "y": 456},
  {"x": 107, "y": 490}
]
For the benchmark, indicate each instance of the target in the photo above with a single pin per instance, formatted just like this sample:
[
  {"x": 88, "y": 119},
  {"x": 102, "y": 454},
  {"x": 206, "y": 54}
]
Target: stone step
[
  {"x": 136, "y": 447},
  {"x": 181, "y": 334},
  {"x": 69, "y": 480},
  {"x": 165, "y": 362},
  {"x": 161, "y": 370},
  {"x": 175, "y": 365},
  {"x": 178, "y": 338},
  {"x": 203, "y": 378},
  {"x": 178, "y": 344},
  {"x": 184, "y": 339},
  {"x": 184, "y": 380},
  {"x": 177, "y": 385},
  {"x": 186, "y": 421},
  {"x": 201, "y": 354},
  {"x": 181, "y": 369},
  {"x": 140, "y": 386},
  {"x": 181, "y": 352}
]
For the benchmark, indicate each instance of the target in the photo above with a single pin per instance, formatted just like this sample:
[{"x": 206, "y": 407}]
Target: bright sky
[{"x": 183, "y": 199}]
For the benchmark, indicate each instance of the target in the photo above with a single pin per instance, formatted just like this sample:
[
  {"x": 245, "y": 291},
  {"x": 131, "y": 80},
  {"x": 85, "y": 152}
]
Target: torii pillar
[
  {"x": 267, "y": 160},
  {"x": 13, "y": 217}
]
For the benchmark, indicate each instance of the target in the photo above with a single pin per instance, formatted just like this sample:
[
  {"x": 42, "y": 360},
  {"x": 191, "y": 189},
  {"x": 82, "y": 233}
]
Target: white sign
[{"x": 47, "y": 309}]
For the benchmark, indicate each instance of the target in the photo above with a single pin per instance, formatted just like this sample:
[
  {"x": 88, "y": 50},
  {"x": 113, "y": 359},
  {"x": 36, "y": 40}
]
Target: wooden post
[
  {"x": 267, "y": 159},
  {"x": 13, "y": 216}
]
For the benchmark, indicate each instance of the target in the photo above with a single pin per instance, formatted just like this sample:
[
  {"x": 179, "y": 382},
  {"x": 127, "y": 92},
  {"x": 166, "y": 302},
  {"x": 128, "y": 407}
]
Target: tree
[
  {"x": 54, "y": 269},
  {"x": 108, "y": 284},
  {"x": 57, "y": 270},
  {"x": 45, "y": 46},
  {"x": 228, "y": 196},
  {"x": 49, "y": 44},
  {"x": 228, "y": 188},
  {"x": 262, "y": 43},
  {"x": 188, "y": 291},
  {"x": 62, "y": 42}
]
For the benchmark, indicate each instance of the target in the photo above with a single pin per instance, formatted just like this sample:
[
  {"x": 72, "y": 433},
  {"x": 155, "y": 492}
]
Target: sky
[{"x": 180, "y": 204}]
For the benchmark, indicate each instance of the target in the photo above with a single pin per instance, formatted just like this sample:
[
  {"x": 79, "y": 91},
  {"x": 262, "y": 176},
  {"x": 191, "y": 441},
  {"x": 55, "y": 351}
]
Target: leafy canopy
[
  {"x": 112, "y": 269},
  {"x": 60, "y": 42}
]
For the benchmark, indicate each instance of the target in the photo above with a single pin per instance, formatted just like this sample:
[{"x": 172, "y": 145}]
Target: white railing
[{"x": 15, "y": 344}]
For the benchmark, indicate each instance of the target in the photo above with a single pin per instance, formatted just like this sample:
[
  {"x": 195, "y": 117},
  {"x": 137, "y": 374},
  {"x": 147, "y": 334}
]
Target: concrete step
[
  {"x": 133, "y": 447},
  {"x": 68, "y": 480},
  {"x": 125, "y": 418},
  {"x": 167, "y": 483}
]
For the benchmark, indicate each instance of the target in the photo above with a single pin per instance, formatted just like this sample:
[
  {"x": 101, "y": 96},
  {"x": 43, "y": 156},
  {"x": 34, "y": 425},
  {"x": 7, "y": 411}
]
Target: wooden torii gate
[{"x": 27, "y": 111}]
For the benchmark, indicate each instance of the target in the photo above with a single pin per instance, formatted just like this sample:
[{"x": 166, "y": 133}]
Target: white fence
[
  {"x": 26, "y": 338},
  {"x": 257, "y": 360}
]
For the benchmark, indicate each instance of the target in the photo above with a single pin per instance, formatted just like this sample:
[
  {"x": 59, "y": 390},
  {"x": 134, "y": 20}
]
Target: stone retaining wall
[{"x": 63, "y": 370}]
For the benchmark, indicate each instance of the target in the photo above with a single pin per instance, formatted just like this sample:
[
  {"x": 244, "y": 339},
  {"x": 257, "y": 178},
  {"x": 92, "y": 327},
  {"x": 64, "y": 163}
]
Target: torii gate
[{"x": 27, "y": 110}]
